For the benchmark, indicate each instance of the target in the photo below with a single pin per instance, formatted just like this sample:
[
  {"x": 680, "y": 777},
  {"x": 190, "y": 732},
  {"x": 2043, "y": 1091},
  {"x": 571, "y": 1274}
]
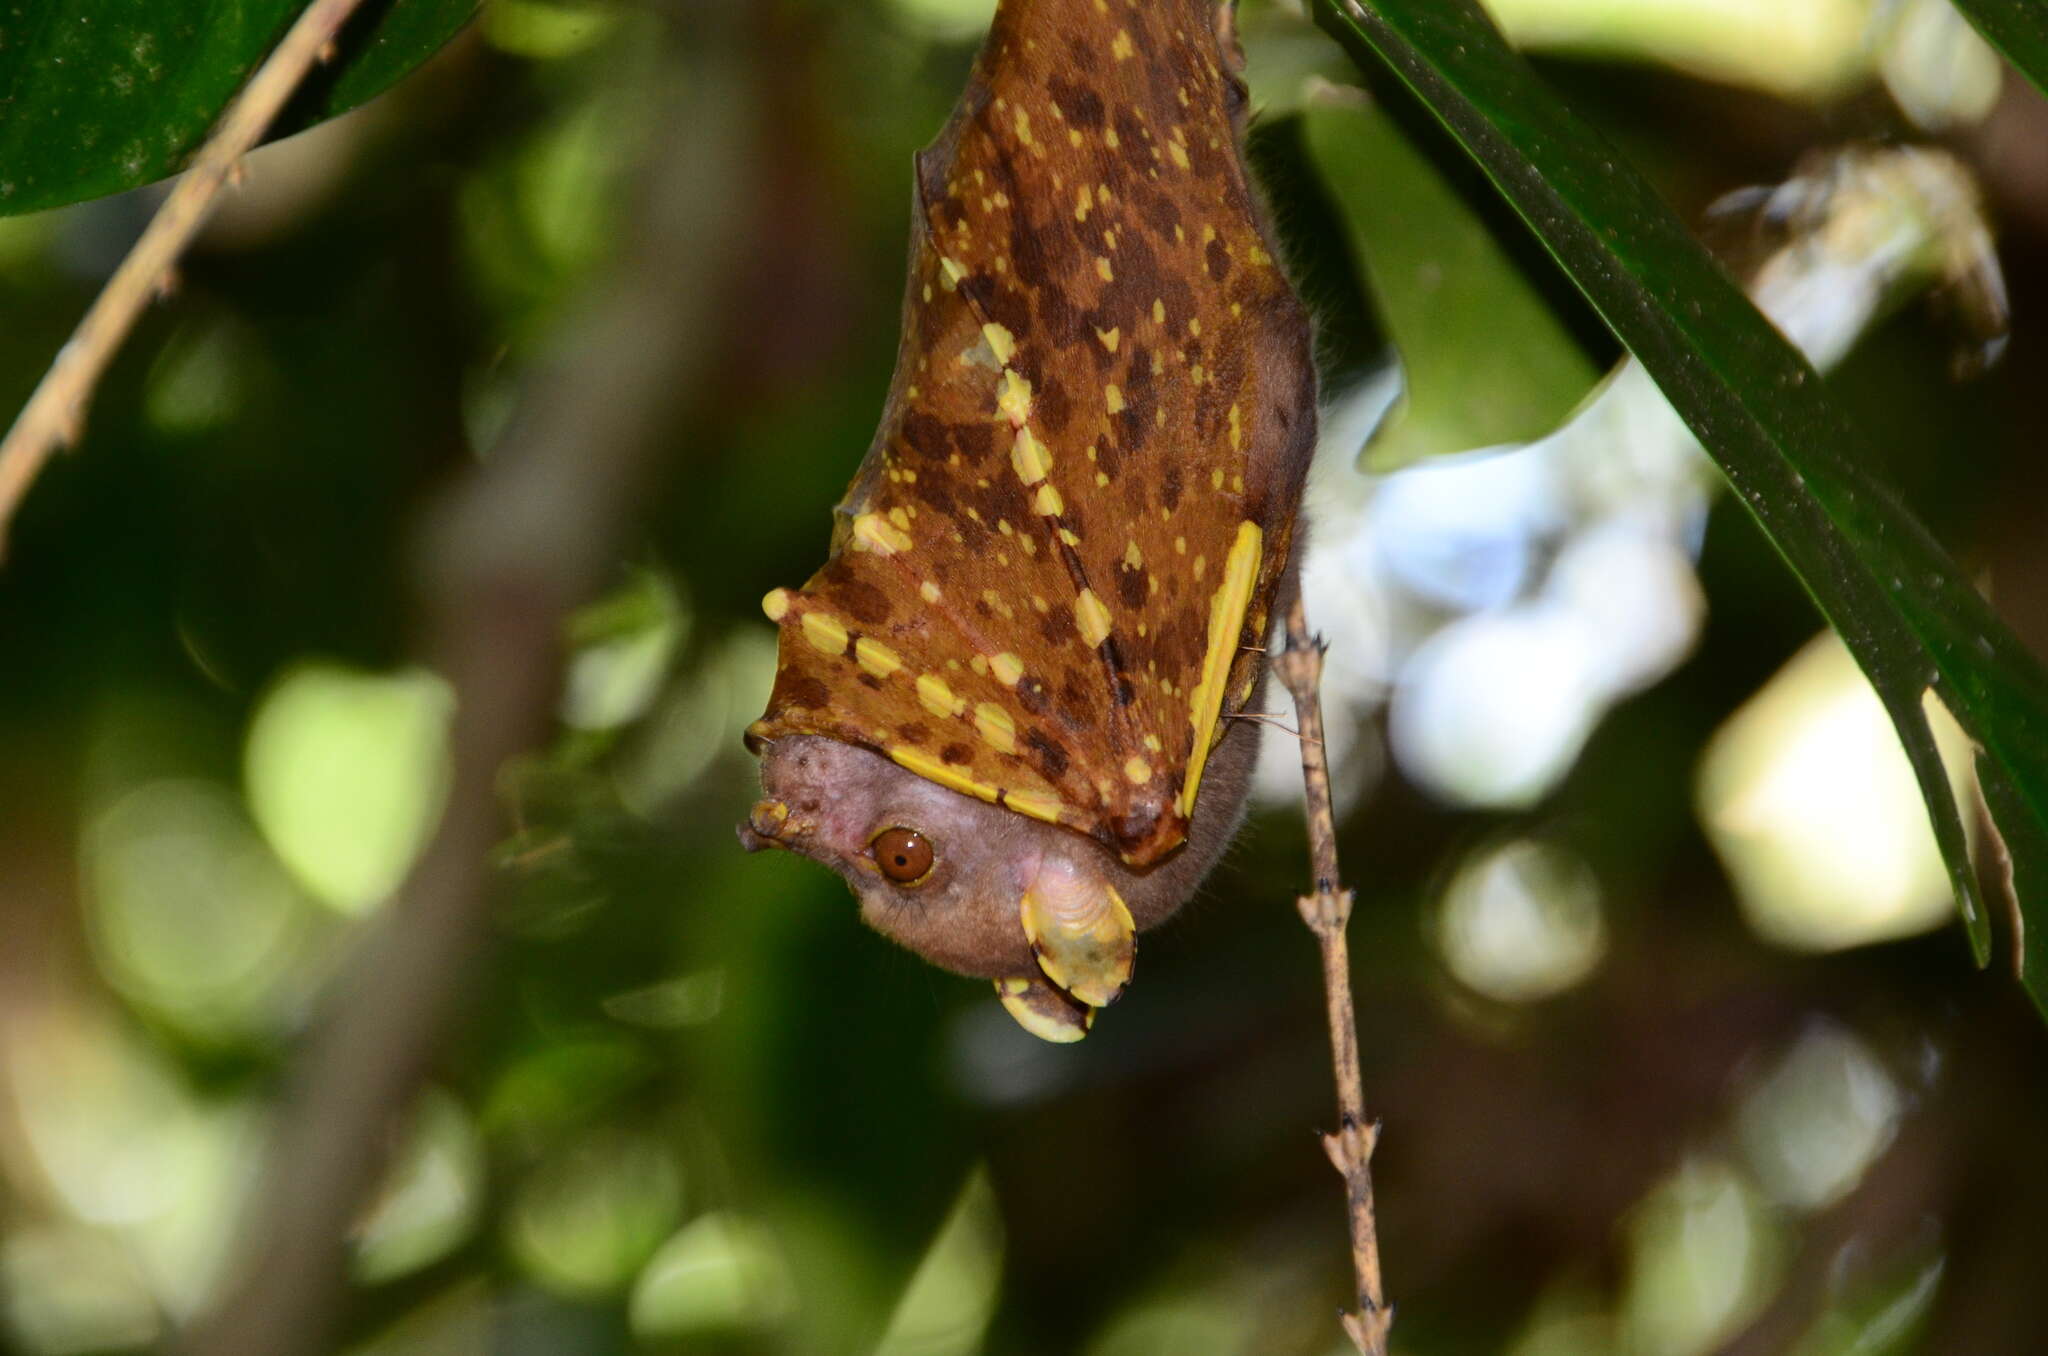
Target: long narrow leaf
[
  {"x": 1911, "y": 619},
  {"x": 97, "y": 96},
  {"x": 2018, "y": 28}
]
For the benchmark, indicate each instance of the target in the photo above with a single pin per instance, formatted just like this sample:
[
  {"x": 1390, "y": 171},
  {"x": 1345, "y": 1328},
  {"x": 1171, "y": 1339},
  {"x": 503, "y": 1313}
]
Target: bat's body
[{"x": 1003, "y": 709}]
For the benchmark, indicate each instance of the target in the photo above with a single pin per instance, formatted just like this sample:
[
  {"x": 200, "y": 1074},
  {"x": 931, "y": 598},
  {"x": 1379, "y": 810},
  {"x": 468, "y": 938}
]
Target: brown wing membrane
[{"x": 1067, "y": 532}]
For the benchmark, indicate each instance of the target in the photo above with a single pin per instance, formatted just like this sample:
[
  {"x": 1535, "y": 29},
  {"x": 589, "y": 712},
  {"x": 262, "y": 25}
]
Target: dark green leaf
[
  {"x": 1485, "y": 359},
  {"x": 2018, "y": 28},
  {"x": 104, "y": 95},
  {"x": 1910, "y": 618}
]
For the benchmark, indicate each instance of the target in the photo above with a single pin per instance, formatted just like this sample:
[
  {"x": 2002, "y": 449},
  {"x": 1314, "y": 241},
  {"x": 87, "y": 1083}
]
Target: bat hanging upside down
[{"x": 1002, "y": 710}]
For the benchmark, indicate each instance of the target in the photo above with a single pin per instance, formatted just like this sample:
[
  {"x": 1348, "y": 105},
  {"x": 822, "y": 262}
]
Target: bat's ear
[
  {"x": 1045, "y": 1011},
  {"x": 1081, "y": 931}
]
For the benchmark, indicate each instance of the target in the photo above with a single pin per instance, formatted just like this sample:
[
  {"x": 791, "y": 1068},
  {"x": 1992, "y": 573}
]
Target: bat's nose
[{"x": 764, "y": 825}]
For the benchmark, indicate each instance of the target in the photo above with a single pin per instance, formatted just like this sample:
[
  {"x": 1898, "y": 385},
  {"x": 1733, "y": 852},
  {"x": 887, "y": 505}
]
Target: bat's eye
[{"x": 905, "y": 855}]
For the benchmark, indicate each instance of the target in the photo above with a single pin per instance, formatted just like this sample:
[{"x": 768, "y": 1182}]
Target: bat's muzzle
[{"x": 766, "y": 825}]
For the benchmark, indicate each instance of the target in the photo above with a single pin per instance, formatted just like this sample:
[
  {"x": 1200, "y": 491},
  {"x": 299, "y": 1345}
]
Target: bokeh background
[{"x": 1676, "y": 1044}]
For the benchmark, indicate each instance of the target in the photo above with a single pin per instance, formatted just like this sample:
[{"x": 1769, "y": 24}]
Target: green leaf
[
  {"x": 2018, "y": 28},
  {"x": 1485, "y": 359},
  {"x": 1908, "y": 615},
  {"x": 105, "y": 95}
]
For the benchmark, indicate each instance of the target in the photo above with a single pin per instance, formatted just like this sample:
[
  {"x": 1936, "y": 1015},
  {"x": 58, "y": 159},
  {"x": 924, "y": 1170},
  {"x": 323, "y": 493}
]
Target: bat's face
[
  {"x": 1049, "y": 914},
  {"x": 935, "y": 870},
  {"x": 969, "y": 886}
]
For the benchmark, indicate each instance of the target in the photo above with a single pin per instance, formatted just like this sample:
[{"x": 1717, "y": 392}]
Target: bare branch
[
  {"x": 55, "y": 413},
  {"x": 1327, "y": 911},
  {"x": 529, "y": 535}
]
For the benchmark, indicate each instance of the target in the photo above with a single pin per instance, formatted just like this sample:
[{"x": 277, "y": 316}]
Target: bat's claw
[
  {"x": 1081, "y": 932},
  {"x": 1047, "y": 1012}
]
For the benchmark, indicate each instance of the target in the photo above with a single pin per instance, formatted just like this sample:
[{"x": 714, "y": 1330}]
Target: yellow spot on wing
[
  {"x": 776, "y": 604},
  {"x": 1138, "y": 770},
  {"x": 928, "y": 591},
  {"x": 1013, "y": 396},
  {"x": 1103, "y": 270},
  {"x": 1120, "y": 47},
  {"x": 873, "y": 532},
  {"x": 1007, "y": 668},
  {"x": 1028, "y": 457},
  {"x": 1048, "y": 501},
  {"x": 937, "y": 697},
  {"x": 1000, "y": 341},
  {"x": 1110, "y": 337},
  {"x": 1113, "y": 397},
  {"x": 876, "y": 657},
  {"x": 825, "y": 632},
  {"x": 994, "y": 725},
  {"x": 1226, "y": 621},
  {"x": 932, "y": 770},
  {"x": 1092, "y": 617},
  {"x": 1048, "y": 808}
]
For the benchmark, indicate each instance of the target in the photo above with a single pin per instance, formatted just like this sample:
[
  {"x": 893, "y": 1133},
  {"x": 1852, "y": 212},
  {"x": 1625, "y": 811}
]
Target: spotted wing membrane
[{"x": 1051, "y": 573}]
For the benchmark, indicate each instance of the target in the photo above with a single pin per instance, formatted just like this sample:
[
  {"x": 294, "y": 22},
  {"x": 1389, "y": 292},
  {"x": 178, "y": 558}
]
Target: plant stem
[
  {"x": 1327, "y": 911},
  {"x": 55, "y": 413}
]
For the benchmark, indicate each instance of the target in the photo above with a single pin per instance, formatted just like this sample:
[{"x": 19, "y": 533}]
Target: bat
[{"x": 1003, "y": 707}]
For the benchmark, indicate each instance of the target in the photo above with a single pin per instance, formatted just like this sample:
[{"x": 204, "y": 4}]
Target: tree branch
[
  {"x": 1327, "y": 911},
  {"x": 528, "y": 536},
  {"x": 55, "y": 413}
]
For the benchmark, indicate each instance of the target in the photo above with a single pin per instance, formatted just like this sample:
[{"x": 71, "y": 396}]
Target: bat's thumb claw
[
  {"x": 1045, "y": 1011},
  {"x": 1081, "y": 932}
]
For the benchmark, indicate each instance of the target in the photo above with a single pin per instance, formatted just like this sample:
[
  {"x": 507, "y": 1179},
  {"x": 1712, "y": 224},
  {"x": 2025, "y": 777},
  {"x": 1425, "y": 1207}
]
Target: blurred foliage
[
  {"x": 1912, "y": 619},
  {"x": 697, "y": 1108},
  {"x": 108, "y": 94}
]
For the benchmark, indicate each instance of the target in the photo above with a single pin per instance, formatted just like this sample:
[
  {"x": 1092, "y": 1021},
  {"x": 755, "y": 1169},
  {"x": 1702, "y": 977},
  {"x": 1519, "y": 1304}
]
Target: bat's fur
[{"x": 964, "y": 915}]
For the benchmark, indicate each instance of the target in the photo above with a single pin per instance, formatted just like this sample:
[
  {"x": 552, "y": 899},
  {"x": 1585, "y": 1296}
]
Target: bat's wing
[{"x": 1053, "y": 566}]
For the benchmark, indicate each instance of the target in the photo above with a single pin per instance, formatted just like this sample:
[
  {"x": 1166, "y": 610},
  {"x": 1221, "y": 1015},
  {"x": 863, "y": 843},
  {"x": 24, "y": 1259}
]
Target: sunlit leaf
[
  {"x": 103, "y": 95},
  {"x": 1812, "y": 49},
  {"x": 952, "y": 1295},
  {"x": 191, "y": 915},
  {"x": 547, "y": 30},
  {"x": 346, "y": 772},
  {"x": 1704, "y": 1252},
  {"x": 590, "y": 1215},
  {"x": 719, "y": 1272},
  {"x": 1908, "y": 615},
  {"x": 432, "y": 1194},
  {"x": 1484, "y": 357},
  {"x": 1885, "y": 1317},
  {"x": 1811, "y": 805},
  {"x": 70, "y": 1288}
]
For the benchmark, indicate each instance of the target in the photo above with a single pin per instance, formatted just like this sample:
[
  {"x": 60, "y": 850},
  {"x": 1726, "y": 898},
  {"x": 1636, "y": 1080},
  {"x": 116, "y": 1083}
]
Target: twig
[
  {"x": 1327, "y": 911},
  {"x": 55, "y": 414},
  {"x": 529, "y": 535}
]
